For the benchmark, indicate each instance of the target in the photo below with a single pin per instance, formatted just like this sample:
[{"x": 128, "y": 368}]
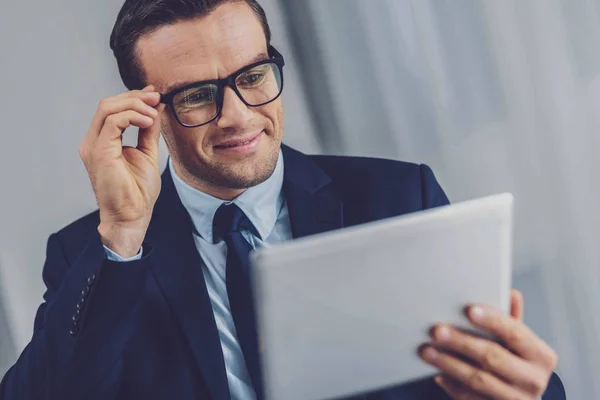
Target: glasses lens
[
  {"x": 260, "y": 84},
  {"x": 196, "y": 105}
]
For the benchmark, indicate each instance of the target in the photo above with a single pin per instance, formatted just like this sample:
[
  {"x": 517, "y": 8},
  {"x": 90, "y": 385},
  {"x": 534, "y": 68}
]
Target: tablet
[{"x": 344, "y": 312}]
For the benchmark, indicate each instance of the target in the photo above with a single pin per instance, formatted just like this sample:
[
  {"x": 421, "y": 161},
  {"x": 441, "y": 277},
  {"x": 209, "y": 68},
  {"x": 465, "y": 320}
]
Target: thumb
[{"x": 516, "y": 304}]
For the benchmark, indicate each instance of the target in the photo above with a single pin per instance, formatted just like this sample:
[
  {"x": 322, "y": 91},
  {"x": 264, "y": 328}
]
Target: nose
[{"x": 234, "y": 114}]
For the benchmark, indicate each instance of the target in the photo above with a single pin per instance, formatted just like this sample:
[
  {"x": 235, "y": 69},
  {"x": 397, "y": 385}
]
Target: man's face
[{"x": 214, "y": 47}]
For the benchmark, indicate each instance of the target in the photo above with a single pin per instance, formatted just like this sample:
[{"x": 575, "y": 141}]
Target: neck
[{"x": 222, "y": 193}]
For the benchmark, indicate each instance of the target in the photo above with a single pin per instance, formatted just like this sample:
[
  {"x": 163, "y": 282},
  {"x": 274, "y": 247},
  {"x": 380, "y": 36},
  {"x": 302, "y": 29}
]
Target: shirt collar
[{"x": 261, "y": 203}]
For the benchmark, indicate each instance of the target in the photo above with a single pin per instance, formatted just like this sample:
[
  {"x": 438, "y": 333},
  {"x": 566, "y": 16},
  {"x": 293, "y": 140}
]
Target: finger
[
  {"x": 130, "y": 103},
  {"x": 475, "y": 379},
  {"x": 493, "y": 358},
  {"x": 455, "y": 390},
  {"x": 115, "y": 124},
  {"x": 516, "y": 304},
  {"x": 140, "y": 101},
  {"x": 148, "y": 94},
  {"x": 148, "y": 137},
  {"x": 118, "y": 105},
  {"x": 147, "y": 89},
  {"x": 515, "y": 334}
]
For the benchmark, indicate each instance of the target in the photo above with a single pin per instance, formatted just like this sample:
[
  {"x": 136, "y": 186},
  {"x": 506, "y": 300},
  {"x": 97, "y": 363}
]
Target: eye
[
  {"x": 197, "y": 97},
  {"x": 254, "y": 77}
]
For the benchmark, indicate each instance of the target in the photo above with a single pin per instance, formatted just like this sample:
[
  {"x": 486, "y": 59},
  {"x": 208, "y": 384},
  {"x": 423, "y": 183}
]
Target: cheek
[
  {"x": 181, "y": 139},
  {"x": 274, "y": 114},
  {"x": 280, "y": 120}
]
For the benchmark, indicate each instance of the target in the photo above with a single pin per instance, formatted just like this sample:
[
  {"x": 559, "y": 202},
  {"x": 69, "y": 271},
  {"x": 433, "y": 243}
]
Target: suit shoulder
[
  {"x": 395, "y": 187},
  {"x": 369, "y": 169}
]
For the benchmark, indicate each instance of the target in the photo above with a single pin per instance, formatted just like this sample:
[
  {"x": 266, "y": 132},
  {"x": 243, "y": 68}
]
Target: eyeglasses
[{"x": 201, "y": 103}]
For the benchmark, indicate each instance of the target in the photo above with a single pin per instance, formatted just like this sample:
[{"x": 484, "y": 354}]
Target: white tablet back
[{"x": 344, "y": 312}]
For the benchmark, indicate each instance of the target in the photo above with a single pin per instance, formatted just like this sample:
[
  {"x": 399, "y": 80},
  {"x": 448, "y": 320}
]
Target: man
[{"x": 148, "y": 298}]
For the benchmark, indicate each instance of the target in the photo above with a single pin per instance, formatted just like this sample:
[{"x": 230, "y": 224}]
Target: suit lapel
[
  {"x": 312, "y": 203},
  {"x": 177, "y": 267},
  {"x": 310, "y": 213}
]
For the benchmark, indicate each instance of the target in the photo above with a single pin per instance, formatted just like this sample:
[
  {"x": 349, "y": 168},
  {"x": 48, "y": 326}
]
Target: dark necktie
[{"x": 228, "y": 222}]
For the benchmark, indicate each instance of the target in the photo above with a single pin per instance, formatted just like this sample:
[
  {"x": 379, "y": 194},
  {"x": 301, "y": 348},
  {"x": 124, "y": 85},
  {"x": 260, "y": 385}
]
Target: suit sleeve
[
  {"x": 555, "y": 390},
  {"x": 432, "y": 193},
  {"x": 81, "y": 327}
]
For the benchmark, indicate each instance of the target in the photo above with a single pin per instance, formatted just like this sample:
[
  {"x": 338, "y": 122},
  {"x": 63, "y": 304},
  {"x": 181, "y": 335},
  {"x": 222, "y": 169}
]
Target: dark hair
[{"x": 140, "y": 17}]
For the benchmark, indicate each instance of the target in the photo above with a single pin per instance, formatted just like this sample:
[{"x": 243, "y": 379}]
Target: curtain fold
[
  {"x": 495, "y": 96},
  {"x": 7, "y": 346}
]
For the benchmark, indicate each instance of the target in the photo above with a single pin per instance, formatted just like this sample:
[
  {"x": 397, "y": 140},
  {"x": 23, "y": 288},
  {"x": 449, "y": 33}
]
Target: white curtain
[{"x": 496, "y": 96}]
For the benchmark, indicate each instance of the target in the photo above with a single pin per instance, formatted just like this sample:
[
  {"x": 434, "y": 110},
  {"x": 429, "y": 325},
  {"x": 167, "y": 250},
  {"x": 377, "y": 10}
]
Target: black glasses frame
[{"x": 274, "y": 58}]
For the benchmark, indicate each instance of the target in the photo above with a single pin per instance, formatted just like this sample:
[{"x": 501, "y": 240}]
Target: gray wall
[{"x": 56, "y": 66}]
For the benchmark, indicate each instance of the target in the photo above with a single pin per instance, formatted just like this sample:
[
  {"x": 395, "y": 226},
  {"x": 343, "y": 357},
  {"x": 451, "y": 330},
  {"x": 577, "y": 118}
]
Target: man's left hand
[{"x": 474, "y": 368}]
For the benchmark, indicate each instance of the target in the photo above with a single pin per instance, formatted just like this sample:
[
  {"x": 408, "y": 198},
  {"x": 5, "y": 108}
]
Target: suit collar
[
  {"x": 302, "y": 172},
  {"x": 261, "y": 203},
  {"x": 313, "y": 205}
]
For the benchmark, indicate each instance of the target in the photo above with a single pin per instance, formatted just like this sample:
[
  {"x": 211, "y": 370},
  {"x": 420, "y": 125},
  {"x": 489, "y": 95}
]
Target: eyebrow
[{"x": 179, "y": 83}]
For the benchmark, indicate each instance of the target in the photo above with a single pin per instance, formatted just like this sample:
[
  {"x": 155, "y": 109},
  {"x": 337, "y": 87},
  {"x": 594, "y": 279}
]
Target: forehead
[{"x": 204, "y": 48}]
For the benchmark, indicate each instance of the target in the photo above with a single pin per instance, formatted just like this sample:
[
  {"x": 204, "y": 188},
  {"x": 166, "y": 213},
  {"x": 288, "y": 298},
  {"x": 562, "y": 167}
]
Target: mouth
[{"x": 244, "y": 144}]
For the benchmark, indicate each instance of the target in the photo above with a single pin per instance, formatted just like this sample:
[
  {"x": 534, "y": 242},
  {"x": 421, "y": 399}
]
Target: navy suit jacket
[{"x": 145, "y": 330}]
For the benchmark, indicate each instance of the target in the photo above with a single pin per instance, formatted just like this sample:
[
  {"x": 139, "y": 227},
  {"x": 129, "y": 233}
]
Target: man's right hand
[{"x": 126, "y": 180}]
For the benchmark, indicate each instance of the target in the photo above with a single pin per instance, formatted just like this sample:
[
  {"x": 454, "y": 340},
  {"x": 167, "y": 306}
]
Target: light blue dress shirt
[{"x": 265, "y": 207}]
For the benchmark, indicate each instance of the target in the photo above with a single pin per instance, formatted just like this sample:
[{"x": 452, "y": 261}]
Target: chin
[
  {"x": 244, "y": 177},
  {"x": 239, "y": 171}
]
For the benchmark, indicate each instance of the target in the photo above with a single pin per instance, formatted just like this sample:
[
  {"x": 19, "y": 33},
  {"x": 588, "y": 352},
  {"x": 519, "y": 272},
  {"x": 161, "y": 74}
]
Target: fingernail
[
  {"x": 442, "y": 333},
  {"x": 430, "y": 354},
  {"x": 477, "y": 313},
  {"x": 439, "y": 380}
]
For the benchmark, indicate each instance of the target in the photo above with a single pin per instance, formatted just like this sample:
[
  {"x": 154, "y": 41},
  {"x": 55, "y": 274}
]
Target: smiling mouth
[
  {"x": 239, "y": 142},
  {"x": 236, "y": 144}
]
